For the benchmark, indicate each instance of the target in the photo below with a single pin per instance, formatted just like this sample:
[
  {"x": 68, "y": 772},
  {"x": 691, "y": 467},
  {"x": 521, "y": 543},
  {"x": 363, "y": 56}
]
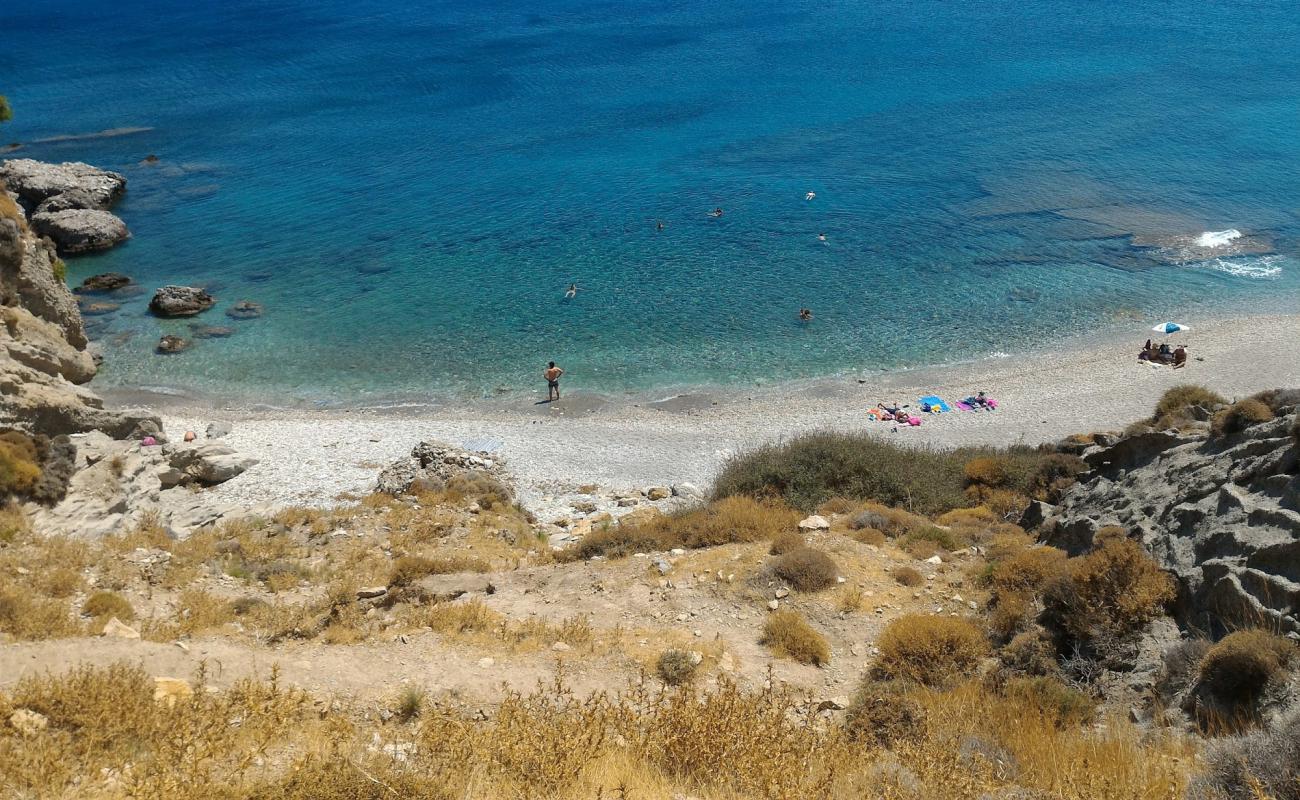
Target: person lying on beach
[
  {"x": 902, "y": 416},
  {"x": 981, "y": 400},
  {"x": 890, "y": 410}
]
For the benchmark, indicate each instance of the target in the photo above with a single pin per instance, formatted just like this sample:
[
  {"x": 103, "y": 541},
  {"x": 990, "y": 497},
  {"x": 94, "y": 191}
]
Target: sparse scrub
[
  {"x": 1112, "y": 591},
  {"x": 729, "y": 520},
  {"x": 1236, "y": 670},
  {"x": 889, "y": 521},
  {"x": 408, "y": 569},
  {"x": 102, "y": 605},
  {"x": 1179, "y": 667},
  {"x": 785, "y": 542},
  {"x": 931, "y": 650},
  {"x": 1065, "y": 704},
  {"x": 26, "y": 617},
  {"x": 869, "y": 536},
  {"x": 1055, "y": 473},
  {"x": 481, "y": 487},
  {"x": 1239, "y": 416},
  {"x": 1261, "y": 765},
  {"x": 806, "y": 569},
  {"x": 927, "y": 541},
  {"x": 410, "y": 701},
  {"x": 19, "y": 470},
  {"x": 789, "y": 635},
  {"x": 884, "y": 713},
  {"x": 675, "y": 667},
  {"x": 1175, "y": 407},
  {"x": 1030, "y": 653},
  {"x": 908, "y": 576}
]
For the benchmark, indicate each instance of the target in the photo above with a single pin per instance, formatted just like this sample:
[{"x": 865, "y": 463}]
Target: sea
[{"x": 408, "y": 189}]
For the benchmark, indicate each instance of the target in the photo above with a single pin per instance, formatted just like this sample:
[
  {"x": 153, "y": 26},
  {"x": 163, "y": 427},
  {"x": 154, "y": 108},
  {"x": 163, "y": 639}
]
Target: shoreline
[{"x": 628, "y": 443}]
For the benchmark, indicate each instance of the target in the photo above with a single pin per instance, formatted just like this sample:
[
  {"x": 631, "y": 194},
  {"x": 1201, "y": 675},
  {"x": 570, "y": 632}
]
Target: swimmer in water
[
  {"x": 572, "y": 291},
  {"x": 821, "y": 237},
  {"x": 659, "y": 225},
  {"x": 810, "y": 195},
  {"x": 717, "y": 212},
  {"x": 805, "y": 314}
]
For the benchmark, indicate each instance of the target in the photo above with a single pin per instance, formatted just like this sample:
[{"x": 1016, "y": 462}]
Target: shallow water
[{"x": 409, "y": 188}]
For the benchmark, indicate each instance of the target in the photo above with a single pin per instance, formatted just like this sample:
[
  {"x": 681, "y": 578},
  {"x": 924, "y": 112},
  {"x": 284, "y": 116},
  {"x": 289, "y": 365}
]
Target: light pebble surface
[{"x": 314, "y": 457}]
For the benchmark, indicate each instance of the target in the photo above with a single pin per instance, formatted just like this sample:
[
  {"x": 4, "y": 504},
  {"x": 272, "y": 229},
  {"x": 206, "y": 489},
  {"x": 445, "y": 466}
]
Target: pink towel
[
  {"x": 963, "y": 406},
  {"x": 914, "y": 421}
]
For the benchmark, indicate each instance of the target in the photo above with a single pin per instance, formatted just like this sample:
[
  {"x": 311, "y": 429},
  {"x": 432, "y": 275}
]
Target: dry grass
[
  {"x": 1114, "y": 590},
  {"x": 785, "y": 542},
  {"x": 929, "y": 650},
  {"x": 909, "y": 576},
  {"x": 1237, "y": 669},
  {"x": 732, "y": 519},
  {"x": 1239, "y": 416},
  {"x": 675, "y": 667},
  {"x": 1175, "y": 407},
  {"x": 789, "y": 635},
  {"x": 102, "y": 605}
]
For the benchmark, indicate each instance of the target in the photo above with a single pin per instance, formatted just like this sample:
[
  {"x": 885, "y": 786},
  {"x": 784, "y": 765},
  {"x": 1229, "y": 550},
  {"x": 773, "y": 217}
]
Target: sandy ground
[{"x": 623, "y": 443}]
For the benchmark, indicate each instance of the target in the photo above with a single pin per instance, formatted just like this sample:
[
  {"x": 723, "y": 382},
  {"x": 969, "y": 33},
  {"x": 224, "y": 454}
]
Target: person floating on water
[
  {"x": 552, "y": 375},
  {"x": 810, "y": 195},
  {"x": 821, "y": 237},
  {"x": 717, "y": 212},
  {"x": 572, "y": 291},
  {"x": 659, "y": 225},
  {"x": 805, "y": 314}
]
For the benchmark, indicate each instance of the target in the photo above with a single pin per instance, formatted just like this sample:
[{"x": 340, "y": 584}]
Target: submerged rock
[
  {"x": 181, "y": 301},
  {"x": 104, "y": 282},
  {"x": 170, "y": 344},
  {"x": 211, "y": 331},
  {"x": 244, "y": 309},
  {"x": 99, "y": 309},
  {"x": 80, "y": 230}
]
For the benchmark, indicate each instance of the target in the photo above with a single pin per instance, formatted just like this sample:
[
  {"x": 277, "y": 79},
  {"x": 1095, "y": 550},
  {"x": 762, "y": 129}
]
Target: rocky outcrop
[
  {"x": 431, "y": 465},
  {"x": 181, "y": 301},
  {"x": 36, "y": 181},
  {"x": 1221, "y": 513},
  {"x": 43, "y": 347},
  {"x": 73, "y": 199},
  {"x": 80, "y": 230},
  {"x": 118, "y": 483},
  {"x": 105, "y": 282}
]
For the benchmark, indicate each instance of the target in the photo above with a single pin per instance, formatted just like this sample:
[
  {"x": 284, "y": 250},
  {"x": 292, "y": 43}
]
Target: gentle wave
[
  {"x": 1217, "y": 238},
  {"x": 1259, "y": 267}
]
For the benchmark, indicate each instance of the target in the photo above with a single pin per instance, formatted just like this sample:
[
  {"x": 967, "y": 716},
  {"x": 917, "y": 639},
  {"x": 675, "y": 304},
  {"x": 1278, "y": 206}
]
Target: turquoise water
[{"x": 408, "y": 188}]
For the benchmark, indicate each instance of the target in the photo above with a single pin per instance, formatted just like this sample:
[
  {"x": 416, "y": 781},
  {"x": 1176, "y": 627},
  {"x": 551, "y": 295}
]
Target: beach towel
[
  {"x": 876, "y": 414},
  {"x": 934, "y": 401},
  {"x": 964, "y": 406},
  {"x": 914, "y": 421}
]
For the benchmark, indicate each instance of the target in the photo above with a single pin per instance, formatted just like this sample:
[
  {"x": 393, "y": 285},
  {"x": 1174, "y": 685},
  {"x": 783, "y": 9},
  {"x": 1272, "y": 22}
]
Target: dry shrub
[
  {"x": 1007, "y": 544},
  {"x": 1010, "y": 612},
  {"x": 1179, "y": 667},
  {"x": 481, "y": 487},
  {"x": 884, "y": 713},
  {"x": 1236, "y": 670},
  {"x": 1175, "y": 407},
  {"x": 28, "y": 617},
  {"x": 851, "y": 599},
  {"x": 788, "y": 635},
  {"x": 730, "y": 520},
  {"x": 19, "y": 467},
  {"x": 1114, "y": 590},
  {"x": 806, "y": 569},
  {"x": 925, "y": 542},
  {"x": 869, "y": 536},
  {"x": 976, "y": 517},
  {"x": 785, "y": 542},
  {"x": 987, "y": 471},
  {"x": 675, "y": 667},
  {"x": 837, "y": 505},
  {"x": 1028, "y": 570},
  {"x": 908, "y": 576},
  {"x": 1055, "y": 473},
  {"x": 197, "y": 611},
  {"x": 930, "y": 650},
  {"x": 1239, "y": 416},
  {"x": 61, "y": 582},
  {"x": 613, "y": 541},
  {"x": 1262, "y": 765},
  {"x": 462, "y": 617},
  {"x": 409, "y": 569},
  {"x": 889, "y": 521},
  {"x": 1031, "y": 653},
  {"x": 1278, "y": 400},
  {"x": 102, "y": 605}
]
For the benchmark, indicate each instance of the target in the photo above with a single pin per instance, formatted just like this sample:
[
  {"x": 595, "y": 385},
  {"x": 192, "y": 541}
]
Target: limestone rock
[
  {"x": 99, "y": 309},
  {"x": 435, "y": 463},
  {"x": 814, "y": 523},
  {"x": 371, "y": 592},
  {"x": 70, "y": 200},
  {"x": 37, "y": 181},
  {"x": 658, "y": 493},
  {"x": 41, "y": 346},
  {"x": 688, "y": 491},
  {"x": 181, "y": 301},
  {"x": 216, "y": 430},
  {"x": 210, "y": 463},
  {"x": 80, "y": 230},
  {"x": 115, "y": 627},
  {"x": 1223, "y": 515},
  {"x": 28, "y": 722},
  {"x": 171, "y": 344}
]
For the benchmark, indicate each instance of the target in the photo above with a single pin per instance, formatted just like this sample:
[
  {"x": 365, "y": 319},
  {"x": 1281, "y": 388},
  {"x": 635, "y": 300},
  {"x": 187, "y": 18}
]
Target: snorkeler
[
  {"x": 717, "y": 212},
  {"x": 810, "y": 195},
  {"x": 572, "y": 291}
]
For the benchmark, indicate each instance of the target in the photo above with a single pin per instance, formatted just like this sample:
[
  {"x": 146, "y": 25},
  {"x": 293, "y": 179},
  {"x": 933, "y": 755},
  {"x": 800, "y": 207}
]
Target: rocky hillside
[
  {"x": 44, "y": 360},
  {"x": 1219, "y": 508}
]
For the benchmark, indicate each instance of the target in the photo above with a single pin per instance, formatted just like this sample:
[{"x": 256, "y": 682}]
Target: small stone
[
  {"x": 658, "y": 493},
  {"x": 185, "y": 648},
  {"x": 781, "y": 594},
  {"x": 171, "y": 344},
  {"x": 115, "y": 627},
  {"x": 28, "y": 722},
  {"x": 627, "y": 502},
  {"x": 484, "y": 663},
  {"x": 371, "y": 592},
  {"x": 244, "y": 309},
  {"x": 663, "y": 566},
  {"x": 677, "y": 551},
  {"x": 841, "y": 579},
  {"x": 934, "y": 560},
  {"x": 814, "y": 523},
  {"x": 561, "y": 647},
  {"x": 773, "y": 605},
  {"x": 833, "y": 704},
  {"x": 696, "y": 657}
]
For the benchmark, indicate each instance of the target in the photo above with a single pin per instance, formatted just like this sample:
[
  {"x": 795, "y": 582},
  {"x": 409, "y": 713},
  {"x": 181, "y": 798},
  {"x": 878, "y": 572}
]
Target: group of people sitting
[
  {"x": 932, "y": 404},
  {"x": 1164, "y": 354}
]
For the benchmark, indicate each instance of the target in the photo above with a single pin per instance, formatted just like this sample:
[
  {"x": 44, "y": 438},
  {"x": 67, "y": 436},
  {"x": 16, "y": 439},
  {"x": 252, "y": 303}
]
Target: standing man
[{"x": 552, "y": 375}]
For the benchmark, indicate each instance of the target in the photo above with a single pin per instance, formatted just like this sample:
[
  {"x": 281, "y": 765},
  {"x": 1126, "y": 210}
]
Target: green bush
[
  {"x": 806, "y": 569},
  {"x": 675, "y": 667},
  {"x": 931, "y": 650},
  {"x": 813, "y": 468},
  {"x": 1239, "y": 416}
]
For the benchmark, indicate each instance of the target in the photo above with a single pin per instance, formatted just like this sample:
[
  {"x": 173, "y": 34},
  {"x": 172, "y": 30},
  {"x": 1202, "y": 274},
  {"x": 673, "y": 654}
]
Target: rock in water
[
  {"x": 104, "y": 282},
  {"x": 98, "y": 309},
  {"x": 244, "y": 309},
  {"x": 36, "y": 181},
  {"x": 80, "y": 230},
  {"x": 181, "y": 301},
  {"x": 211, "y": 331},
  {"x": 170, "y": 345}
]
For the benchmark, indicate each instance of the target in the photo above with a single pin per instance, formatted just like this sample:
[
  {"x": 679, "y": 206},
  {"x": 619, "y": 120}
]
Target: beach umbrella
[{"x": 1171, "y": 327}]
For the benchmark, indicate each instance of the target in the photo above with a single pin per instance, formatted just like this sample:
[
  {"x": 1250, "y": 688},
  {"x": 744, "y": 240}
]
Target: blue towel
[{"x": 936, "y": 402}]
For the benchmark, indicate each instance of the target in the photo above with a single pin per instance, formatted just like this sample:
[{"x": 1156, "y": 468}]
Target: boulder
[
  {"x": 104, "y": 282},
  {"x": 28, "y": 722},
  {"x": 116, "y": 628},
  {"x": 209, "y": 463},
  {"x": 244, "y": 309},
  {"x": 216, "y": 430},
  {"x": 434, "y": 463},
  {"x": 80, "y": 230},
  {"x": 180, "y": 301},
  {"x": 37, "y": 181},
  {"x": 170, "y": 344},
  {"x": 658, "y": 493},
  {"x": 688, "y": 491},
  {"x": 814, "y": 523}
]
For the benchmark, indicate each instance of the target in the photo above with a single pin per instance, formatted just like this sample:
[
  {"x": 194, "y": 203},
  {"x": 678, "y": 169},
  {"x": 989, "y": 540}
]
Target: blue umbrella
[{"x": 1171, "y": 327}]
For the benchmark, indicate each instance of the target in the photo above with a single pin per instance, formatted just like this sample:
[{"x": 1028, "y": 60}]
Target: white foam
[
  {"x": 1258, "y": 267},
  {"x": 1217, "y": 238}
]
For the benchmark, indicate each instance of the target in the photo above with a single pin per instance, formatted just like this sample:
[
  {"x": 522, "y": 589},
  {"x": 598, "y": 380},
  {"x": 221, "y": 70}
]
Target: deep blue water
[{"x": 408, "y": 188}]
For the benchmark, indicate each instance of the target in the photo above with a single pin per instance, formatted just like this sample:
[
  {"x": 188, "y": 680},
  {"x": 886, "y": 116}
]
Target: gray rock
[
  {"x": 434, "y": 463},
  {"x": 1223, "y": 515},
  {"x": 104, "y": 282},
  {"x": 68, "y": 201},
  {"x": 180, "y": 301},
  {"x": 170, "y": 344},
  {"x": 688, "y": 491},
  {"x": 80, "y": 230},
  {"x": 216, "y": 430},
  {"x": 37, "y": 181},
  {"x": 209, "y": 463},
  {"x": 244, "y": 309}
]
